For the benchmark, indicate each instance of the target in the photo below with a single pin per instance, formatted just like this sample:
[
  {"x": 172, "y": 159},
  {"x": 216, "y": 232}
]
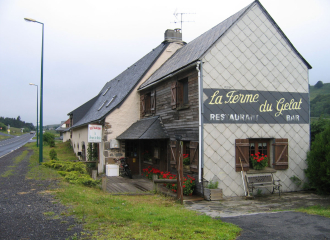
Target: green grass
[
  {"x": 16, "y": 161},
  {"x": 316, "y": 210},
  {"x": 129, "y": 217},
  {"x": 15, "y": 131},
  {"x": 319, "y": 91}
]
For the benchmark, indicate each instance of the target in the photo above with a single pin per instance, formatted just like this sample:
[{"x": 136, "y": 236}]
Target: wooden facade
[{"x": 175, "y": 101}]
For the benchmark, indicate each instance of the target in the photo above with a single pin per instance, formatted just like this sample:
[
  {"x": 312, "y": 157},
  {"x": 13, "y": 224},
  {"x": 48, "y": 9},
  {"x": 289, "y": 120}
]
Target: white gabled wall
[{"x": 252, "y": 55}]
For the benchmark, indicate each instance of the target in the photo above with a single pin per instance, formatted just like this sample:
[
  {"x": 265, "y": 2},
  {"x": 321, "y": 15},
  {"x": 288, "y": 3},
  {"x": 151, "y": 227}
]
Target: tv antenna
[{"x": 176, "y": 14}]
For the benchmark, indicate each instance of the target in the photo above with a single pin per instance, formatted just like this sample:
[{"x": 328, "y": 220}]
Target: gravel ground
[{"x": 24, "y": 202}]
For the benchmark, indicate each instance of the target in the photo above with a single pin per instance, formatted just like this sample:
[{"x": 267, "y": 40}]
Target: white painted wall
[
  {"x": 252, "y": 55},
  {"x": 79, "y": 135}
]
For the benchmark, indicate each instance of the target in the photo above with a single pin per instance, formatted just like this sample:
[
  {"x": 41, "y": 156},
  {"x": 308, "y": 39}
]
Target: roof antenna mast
[{"x": 176, "y": 14}]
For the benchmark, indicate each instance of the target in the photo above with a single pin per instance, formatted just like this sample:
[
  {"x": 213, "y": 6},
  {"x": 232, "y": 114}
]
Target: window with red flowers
[{"x": 275, "y": 149}]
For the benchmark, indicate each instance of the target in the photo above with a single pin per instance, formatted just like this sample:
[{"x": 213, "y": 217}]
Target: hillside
[
  {"x": 320, "y": 100},
  {"x": 325, "y": 89}
]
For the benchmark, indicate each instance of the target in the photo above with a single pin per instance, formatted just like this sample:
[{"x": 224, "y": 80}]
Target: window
[
  {"x": 245, "y": 147},
  {"x": 179, "y": 94},
  {"x": 111, "y": 100},
  {"x": 148, "y": 103},
  {"x": 102, "y": 105},
  {"x": 106, "y": 91},
  {"x": 261, "y": 146}
]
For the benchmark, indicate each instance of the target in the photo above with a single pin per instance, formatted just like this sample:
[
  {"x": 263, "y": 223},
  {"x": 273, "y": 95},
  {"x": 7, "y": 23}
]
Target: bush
[
  {"x": 53, "y": 154},
  {"x": 75, "y": 177},
  {"x": 49, "y": 139},
  {"x": 66, "y": 166},
  {"x": 318, "y": 127},
  {"x": 73, "y": 172},
  {"x": 318, "y": 162}
]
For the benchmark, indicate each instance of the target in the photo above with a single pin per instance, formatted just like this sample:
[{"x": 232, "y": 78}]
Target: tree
[
  {"x": 3, "y": 126},
  {"x": 318, "y": 162},
  {"x": 318, "y": 127},
  {"x": 319, "y": 84}
]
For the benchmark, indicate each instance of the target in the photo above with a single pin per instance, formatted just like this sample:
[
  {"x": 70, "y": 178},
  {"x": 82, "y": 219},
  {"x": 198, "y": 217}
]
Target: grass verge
[
  {"x": 316, "y": 210},
  {"x": 106, "y": 216},
  {"x": 2, "y": 137}
]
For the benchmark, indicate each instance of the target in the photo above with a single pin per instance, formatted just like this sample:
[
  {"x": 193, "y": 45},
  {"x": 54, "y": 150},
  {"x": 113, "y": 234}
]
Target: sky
[{"x": 89, "y": 42}]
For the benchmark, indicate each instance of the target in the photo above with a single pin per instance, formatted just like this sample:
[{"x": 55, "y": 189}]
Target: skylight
[
  {"x": 111, "y": 100},
  {"x": 106, "y": 91},
  {"x": 102, "y": 105}
]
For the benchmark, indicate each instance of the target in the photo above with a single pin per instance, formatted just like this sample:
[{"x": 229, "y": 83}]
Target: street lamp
[
  {"x": 37, "y": 112},
  {"x": 41, "y": 86}
]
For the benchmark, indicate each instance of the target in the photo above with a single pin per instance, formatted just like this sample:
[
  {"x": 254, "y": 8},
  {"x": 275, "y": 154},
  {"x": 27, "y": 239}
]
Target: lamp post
[
  {"x": 37, "y": 113},
  {"x": 41, "y": 87}
]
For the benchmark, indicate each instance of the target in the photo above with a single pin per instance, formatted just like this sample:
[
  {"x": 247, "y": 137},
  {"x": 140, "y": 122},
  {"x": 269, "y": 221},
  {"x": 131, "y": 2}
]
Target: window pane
[{"x": 252, "y": 148}]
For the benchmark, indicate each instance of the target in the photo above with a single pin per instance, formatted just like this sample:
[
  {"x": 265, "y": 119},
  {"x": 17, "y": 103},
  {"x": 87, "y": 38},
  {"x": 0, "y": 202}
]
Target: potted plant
[
  {"x": 259, "y": 161},
  {"x": 212, "y": 192}
]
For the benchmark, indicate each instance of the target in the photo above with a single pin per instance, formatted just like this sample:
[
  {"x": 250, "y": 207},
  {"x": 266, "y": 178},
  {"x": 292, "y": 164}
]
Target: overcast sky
[{"x": 88, "y": 43}]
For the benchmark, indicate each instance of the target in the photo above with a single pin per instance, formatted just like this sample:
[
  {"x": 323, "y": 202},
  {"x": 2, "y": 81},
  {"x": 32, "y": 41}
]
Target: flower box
[{"x": 212, "y": 194}]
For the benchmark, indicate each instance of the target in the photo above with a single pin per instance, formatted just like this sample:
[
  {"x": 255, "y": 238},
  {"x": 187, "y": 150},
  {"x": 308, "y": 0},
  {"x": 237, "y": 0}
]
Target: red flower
[{"x": 184, "y": 186}]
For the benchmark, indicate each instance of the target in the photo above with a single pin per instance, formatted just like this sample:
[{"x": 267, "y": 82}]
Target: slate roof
[
  {"x": 116, "y": 90},
  {"x": 147, "y": 128},
  {"x": 80, "y": 111},
  {"x": 195, "y": 49}
]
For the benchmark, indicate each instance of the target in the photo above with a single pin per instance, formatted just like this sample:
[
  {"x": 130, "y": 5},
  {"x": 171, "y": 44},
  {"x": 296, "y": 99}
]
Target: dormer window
[
  {"x": 106, "y": 91},
  {"x": 111, "y": 100},
  {"x": 102, "y": 105}
]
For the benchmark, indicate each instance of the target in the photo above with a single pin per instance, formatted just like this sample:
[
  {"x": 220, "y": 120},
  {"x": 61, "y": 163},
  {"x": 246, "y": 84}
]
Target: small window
[
  {"x": 106, "y": 91},
  {"x": 113, "y": 98},
  {"x": 245, "y": 147},
  {"x": 148, "y": 103},
  {"x": 102, "y": 105},
  {"x": 179, "y": 94}
]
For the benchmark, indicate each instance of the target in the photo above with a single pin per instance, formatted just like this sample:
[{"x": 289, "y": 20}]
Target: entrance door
[{"x": 132, "y": 154}]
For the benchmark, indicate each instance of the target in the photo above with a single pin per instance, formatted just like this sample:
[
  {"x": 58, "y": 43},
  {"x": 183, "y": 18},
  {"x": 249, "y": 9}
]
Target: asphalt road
[
  {"x": 11, "y": 144},
  {"x": 282, "y": 225}
]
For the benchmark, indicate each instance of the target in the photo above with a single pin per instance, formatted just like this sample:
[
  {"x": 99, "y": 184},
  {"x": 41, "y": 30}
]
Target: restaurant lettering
[{"x": 229, "y": 106}]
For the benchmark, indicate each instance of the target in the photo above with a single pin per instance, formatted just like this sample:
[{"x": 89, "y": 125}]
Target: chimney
[{"x": 171, "y": 35}]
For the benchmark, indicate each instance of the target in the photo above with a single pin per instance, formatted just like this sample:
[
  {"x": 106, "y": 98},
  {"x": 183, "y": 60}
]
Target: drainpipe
[{"x": 200, "y": 120}]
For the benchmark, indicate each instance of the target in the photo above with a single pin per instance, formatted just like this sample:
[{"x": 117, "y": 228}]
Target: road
[{"x": 11, "y": 144}]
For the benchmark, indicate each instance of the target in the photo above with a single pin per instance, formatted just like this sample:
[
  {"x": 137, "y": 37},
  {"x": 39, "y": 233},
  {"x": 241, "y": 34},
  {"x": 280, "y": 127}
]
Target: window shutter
[
  {"x": 194, "y": 156},
  {"x": 281, "y": 159},
  {"x": 179, "y": 100},
  {"x": 173, "y": 95},
  {"x": 173, "y": 151},
  {"x": 143, "y": 105},
  {"x": 242, "y": 152},
  {"x": 153, "y": 101}
]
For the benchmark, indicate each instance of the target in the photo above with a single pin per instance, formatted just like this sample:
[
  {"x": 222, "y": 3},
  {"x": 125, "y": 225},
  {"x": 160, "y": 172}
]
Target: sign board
[
  {"x": 255, "y": 107},
  {"x": 94, "y": 133}
]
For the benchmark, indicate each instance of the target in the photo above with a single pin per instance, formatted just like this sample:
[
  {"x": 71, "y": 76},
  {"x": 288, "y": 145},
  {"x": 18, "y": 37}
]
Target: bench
[{"x": 262, "y": 181}]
